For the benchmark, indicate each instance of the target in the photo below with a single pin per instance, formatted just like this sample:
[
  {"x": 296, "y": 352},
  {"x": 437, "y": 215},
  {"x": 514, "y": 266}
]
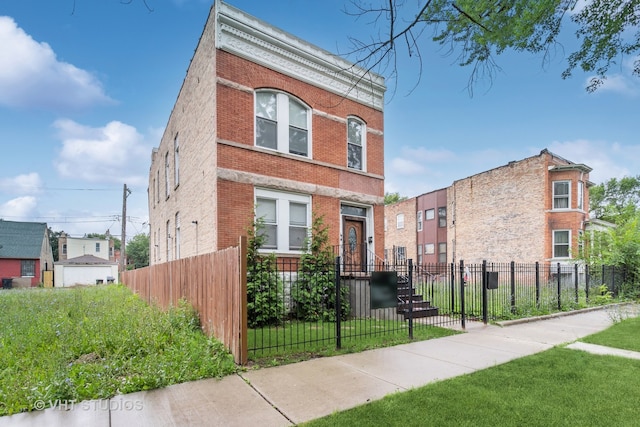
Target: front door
[{"x": 354, "y": 243}]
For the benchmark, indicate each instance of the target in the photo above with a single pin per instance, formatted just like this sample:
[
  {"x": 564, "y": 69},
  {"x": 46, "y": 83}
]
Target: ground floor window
[
  {"x": 286, "y": 218},
  {"x": 28, "y": 268},
  {"x": 442, "y": 252},
  {"x": 561, "y": 239}
]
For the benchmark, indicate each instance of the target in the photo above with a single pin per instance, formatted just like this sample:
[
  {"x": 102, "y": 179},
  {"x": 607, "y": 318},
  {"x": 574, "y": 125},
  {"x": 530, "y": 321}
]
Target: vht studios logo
[{"x": 90, "y": 405}]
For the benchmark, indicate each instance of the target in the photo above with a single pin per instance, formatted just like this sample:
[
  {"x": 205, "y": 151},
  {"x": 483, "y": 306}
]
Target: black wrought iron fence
[{"x": 295, "y": 307}]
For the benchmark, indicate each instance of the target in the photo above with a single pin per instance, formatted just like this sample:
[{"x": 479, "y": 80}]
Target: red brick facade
[{"x": 222, "y": 169}]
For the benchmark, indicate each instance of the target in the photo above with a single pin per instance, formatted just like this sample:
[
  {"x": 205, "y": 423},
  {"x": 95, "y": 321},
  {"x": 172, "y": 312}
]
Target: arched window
[
  {"x": 282, "y": 123},
  {"x": 356, "y": 136}
]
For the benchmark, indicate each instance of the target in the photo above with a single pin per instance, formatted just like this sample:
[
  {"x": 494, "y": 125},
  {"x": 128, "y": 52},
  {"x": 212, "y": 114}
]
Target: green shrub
[
  {"x": 314, "y": 293},
  {"x": 265, "y": 289}
]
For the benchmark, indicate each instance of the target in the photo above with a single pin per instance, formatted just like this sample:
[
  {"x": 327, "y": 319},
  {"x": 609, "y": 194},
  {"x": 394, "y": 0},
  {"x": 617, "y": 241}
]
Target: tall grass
[{"x": 96, "y": 342}]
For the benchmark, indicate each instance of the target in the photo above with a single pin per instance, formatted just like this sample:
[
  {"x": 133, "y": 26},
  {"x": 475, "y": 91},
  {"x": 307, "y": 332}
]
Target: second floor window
[
  {"x": 429, "y": 214},
  {"x": 355, "y": 144},
  {"x": 282, "y": 123},
  {"x": 176, "y": 161},
  {"x": 561, "y": 193},
  {"x": 419, "y": 220},
  {"x": 166, "y": 174},
  {"x": 442, "y": 217},
  {"x": 400, "y": 221},
  {"x": 97, "y": 247},
  {"x": 580, "y": 195}
]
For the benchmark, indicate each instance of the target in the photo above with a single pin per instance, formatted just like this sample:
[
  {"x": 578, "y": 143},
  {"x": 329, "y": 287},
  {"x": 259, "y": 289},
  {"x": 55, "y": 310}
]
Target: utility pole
[{"x": 123, "y": 243}]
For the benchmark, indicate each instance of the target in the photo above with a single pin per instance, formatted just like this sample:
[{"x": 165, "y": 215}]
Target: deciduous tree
[{"x": 478, "y": 30}]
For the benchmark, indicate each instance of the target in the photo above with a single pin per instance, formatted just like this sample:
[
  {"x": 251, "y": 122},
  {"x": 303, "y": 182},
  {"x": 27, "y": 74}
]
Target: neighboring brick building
[
  {"x": 530, "y": 210},
  {"x": 266, "y": 122},
  {"x": 400, "y": 231}
]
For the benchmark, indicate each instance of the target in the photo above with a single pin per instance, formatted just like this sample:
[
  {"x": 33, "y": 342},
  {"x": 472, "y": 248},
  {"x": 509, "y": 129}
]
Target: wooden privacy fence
[{"x": 214, "y": 284}]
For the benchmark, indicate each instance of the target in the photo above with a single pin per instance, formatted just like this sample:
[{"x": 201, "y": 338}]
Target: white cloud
[
  {"x": 32, "y": 77},
  {"x": 22, "y": 184},
  {"x": 608, "y": 160},
  {"x": 18, "y": 209},
  {"x": 109, "y": 154}
]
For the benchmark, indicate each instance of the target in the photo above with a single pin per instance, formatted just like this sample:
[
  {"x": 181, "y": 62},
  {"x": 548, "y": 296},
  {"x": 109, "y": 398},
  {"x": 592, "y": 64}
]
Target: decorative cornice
[{"x": 246, "y": 36}]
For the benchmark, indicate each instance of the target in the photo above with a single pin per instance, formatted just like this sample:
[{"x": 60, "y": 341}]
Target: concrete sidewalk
[{"x": 292, "y": 394}]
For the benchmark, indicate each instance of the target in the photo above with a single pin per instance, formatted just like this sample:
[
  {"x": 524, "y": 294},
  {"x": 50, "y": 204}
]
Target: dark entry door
[{"x": 354, "y": 244}]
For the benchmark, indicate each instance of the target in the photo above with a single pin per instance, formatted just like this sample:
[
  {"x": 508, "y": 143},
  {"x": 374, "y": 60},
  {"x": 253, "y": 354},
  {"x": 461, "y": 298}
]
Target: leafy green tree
[
  {"x": 619, "y": 246},
  {"x": 54, "y": 236},
  {"x": 478, "y": 30},
  {"x": 616, "y": 200},
  {"x": 138, "y": 250},
  {"x": 391, "y": 198},
  {"x": 314, "y": 293},
  {"x": 265, "y": 290}
]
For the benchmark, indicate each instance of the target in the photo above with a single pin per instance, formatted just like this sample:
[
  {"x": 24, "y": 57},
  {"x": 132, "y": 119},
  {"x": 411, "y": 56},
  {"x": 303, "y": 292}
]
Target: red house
[{"x": 25, "y": 253}]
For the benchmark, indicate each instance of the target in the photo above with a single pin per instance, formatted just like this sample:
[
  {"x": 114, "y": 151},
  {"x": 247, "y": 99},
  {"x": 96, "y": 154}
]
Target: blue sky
[{"x": 87, "y": 87}]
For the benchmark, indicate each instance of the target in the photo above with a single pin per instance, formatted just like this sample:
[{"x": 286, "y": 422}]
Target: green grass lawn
[
  {"x": 559, "y": 387},
  {"x": 96, "y": 342}
]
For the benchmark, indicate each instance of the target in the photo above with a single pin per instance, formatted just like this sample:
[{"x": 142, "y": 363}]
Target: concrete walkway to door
[{"x": 292, "y": 394}]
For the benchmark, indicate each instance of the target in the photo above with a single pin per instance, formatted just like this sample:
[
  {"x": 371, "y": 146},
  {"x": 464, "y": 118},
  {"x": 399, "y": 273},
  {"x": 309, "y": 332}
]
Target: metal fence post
[
  {"x": 464, "y": 315},
  {"x": 559, "y": 289},
  {"x": 453, "y": 286},
  {"x": 575, "y": 272},
  {"x": 512, "y": 268},
  {"x": 537, "y": 284},
  {"x": 338, "y": 306},
  {"x": 410, "y": 267},
  {"x": 485, "y": 305},
  {"x": 586, "y": 281}
]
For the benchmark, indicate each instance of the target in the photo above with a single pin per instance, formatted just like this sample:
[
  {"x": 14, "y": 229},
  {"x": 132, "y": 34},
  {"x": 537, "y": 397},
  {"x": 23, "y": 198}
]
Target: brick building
[
  {"x": 400, "y": 231},
  {"x": 530, "y": 210},
  {"x": 267, "y": 124}
]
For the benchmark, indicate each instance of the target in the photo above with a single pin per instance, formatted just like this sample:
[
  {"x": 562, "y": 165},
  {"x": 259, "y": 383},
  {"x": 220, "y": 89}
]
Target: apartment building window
[
  {"x": 561, "y": 239},
  {"x": 98, "y": 248},
  {"x": 580, "y": 195},
  {"x": 442, "y": 217},
  {"x": 157, "y": 186},
  {"x": 419, "y": 220},
  {"x": 64, "y": 248},
  {"x": 177, "y": 236},
  {"x": 166, "y": 175},
  {"x": 356, "y": 133},
  {"x": 419, "y": 254},
  {"x": 282, "y": 123},
  {"x": 401, "y": 254},
  {"x": 429, "y": 214},
  {"x": 442, "y": 252},
  {"x": 385, "y": 223},
  {"x": 561, "y": 194},
  {"x": 176, "y": 161},
  {"x": 399, "y": 221},
  {"x": 286, "y": 219},
  {"x": 429, "y": 248},
  {"x": 28, "y": 268}
]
